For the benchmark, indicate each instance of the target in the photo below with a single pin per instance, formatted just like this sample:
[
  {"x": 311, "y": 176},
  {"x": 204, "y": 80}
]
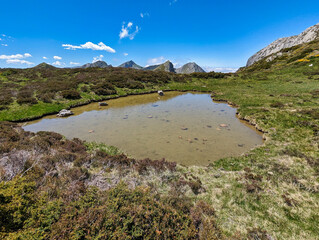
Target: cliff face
[{"x": 308, "y": 35}]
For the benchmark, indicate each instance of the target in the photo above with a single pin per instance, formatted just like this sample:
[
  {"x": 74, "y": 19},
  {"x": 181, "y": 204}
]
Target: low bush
[{"x": 71, "y": 94}]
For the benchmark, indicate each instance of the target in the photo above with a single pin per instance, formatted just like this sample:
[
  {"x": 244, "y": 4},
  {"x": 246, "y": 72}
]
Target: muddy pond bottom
[{"x": 187, "y": 128}]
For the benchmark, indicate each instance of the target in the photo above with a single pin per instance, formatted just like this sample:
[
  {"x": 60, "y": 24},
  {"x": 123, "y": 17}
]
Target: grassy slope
[
  {"x": 274, "y": 187},
  {"x": 285, "y": 202}
]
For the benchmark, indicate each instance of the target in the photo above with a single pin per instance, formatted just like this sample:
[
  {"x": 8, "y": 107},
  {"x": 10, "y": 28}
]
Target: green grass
[
  {"x": 288, "y": 162},
  {"x": 283, "y": 103}
]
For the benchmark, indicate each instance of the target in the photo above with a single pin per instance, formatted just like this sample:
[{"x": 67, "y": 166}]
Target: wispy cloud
[
  {"x": 143, "y": 15},
  {"x": 45, "y": 58},
  {"x": 97, "y": 58},
  {"x": 125, "y": 54},
  {"x": 5, "y": 39},
  {"x": 155, "y": 61},
  {"x": 125, "y": 31},
  {"x": 19, "y": 61},
  {"x": 74, "y": 63},
  {"x": 58, "y": 63},
  {"x": 220, "y": 69},
  {"x": 172, "y": 2},
  {"x": 57, "y": 58},
  {"x": 16, "y": 56},
  {"x": 89, "y": 45}
]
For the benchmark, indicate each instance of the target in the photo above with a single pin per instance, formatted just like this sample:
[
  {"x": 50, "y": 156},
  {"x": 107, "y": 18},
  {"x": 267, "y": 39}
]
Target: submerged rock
[
  {"x": 102, "y": 104},
  {"x": 65, "y": 113}
]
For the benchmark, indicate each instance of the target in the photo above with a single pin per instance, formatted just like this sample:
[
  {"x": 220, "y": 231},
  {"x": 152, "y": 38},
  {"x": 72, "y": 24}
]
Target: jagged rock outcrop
[
  {"x": 130, "y": 64},
  {"x": 167, "y": 67},
  {"x": 99, "y": 64},
  {"x": 189, "y": 68},
  {"x": 308, "y": 35}
]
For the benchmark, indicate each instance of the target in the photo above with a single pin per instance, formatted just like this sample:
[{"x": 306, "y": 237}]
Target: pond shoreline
[{"x": 248, "y": 121}]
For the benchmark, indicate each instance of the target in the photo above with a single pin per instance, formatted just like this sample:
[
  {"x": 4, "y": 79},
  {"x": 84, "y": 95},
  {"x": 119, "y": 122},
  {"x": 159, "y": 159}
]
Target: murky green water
[{"x": 187, "y": 128}]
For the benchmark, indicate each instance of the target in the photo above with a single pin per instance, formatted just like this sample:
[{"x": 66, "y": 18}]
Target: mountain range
[
  {"x": 166, "y": 66},
  {"x": 99, "y": 64}
]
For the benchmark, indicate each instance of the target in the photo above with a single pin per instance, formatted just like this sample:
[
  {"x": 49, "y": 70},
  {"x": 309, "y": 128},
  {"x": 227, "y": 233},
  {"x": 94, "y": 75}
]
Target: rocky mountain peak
[
  {"x": 130, "y": 64},
  {"x": 167, "y": 67},
  {"x": 99, "y": 64},
  {"x": 189, "y": 68},
  {"x": 310, "y": 34}
]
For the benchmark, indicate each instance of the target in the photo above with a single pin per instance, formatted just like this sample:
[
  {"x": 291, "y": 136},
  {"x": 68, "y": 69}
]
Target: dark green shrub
[{"x": 71, "y": 94}]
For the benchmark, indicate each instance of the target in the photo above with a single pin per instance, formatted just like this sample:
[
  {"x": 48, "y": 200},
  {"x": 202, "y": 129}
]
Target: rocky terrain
[
  {"x": 100, "y": 64},
  {"x": 44, "y": 66},
  {"x": 189, "y": 68},
  {"x": 167, "y": 67},
  {"x": 310, "y": 34},
  {"x": 130, "y": 64}
]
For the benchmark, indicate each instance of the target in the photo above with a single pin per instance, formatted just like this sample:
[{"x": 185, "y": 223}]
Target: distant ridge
[
  {"x": 44, "y": 66},
  {"x": 189, "y": 68},
  {"x": 166, "y": 67},
  {"x": 99, "y": 64},
  {"x": 151, "y": 68},
  {"x": 130, "y": 64}
]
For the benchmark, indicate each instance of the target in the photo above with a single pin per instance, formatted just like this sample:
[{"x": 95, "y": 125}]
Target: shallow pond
[{"x": 187, "y": 128}]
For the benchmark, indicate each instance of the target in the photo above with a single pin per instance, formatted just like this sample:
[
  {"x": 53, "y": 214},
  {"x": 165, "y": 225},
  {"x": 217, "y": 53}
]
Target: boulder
[
  {"x": 160, "y": 92},
  {"x": 65, "y": 113},
  {"x": 102, "y": 104}
]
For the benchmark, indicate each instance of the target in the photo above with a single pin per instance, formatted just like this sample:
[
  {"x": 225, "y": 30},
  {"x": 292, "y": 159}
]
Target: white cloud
[
  {"x": 5, "y": 45},
  {"x": 57, "y": 58},
  {"x": 19, "y": 61},
  {"x": 58, "y": 63},
  {"x": 125, "y": 31},
  {"x": 98, "y": 58},
  {"x": 220, "y": 69},
  {"x": 155, "y": 61},
  {"x": 143, "y": 15},
  {"x": 45, "y": 58},
  {"x": 125, "y": 54},
  {"x": 89, "y": 45},
  {"x": 74, "y": 63},
  {"x": 16, "y": 56}
]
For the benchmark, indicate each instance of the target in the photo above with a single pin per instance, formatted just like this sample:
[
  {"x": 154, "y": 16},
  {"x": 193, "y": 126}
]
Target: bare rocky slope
[
  {"x": 100, "y": 64},
  {"x": 130, "y": 64},
  {"x": 189, "y": 68},
  {"x": 310, "y": 34},
  {"x": 167, "y": 67}
]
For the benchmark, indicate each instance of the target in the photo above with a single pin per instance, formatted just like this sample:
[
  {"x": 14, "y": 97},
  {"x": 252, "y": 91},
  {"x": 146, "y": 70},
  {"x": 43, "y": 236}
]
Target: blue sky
[{"x": 213, "y": 33}]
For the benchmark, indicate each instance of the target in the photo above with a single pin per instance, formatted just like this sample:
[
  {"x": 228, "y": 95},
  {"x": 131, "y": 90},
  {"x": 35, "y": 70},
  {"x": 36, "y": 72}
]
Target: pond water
[{"x": 188, "y": 128}]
